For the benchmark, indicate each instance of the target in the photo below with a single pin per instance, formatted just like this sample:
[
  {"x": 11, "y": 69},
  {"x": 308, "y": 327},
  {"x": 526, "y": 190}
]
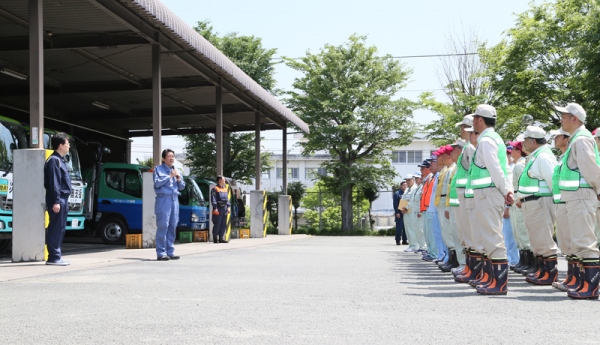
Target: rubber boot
[
  {"x": 590, "y": 274},
  {"x": 562, "y": 286},
  {"x": 498, "y": 281},
  {"x": 576, "y": 281},
  {"x": 467, "y": 268},
  {"x": 222, "y": 240},
  {"x": 530, "y": 261},
  {"x": 452, "y": 263},
  {"x": 451, "y": 256},
  {"x": 535, "y": 267},
  {"x": 521, "y": 260},
  {"x": 540, "y": 268},
  {"x": 549, "y": 273},
  {"x": 485, "y": 274},
  {"x": 474, "y": 269},
  {"x": 215, "y": 239}
]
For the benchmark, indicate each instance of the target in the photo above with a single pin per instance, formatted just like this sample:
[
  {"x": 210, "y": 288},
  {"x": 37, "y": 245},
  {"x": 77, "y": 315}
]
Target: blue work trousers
[
  {"x": 437, "y": 235},
  {"x": 428, "y": 233},
  {"x": 220, "y": 224},
  {"x": 509, "y": 240},
  {"x": 55, "y": 233},
  {"x": 166, "y": 209}
]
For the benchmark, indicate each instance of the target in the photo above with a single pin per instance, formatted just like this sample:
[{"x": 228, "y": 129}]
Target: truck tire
[
  {"x": 4, "y": 245},
  {"x": 112, "y": 231}
]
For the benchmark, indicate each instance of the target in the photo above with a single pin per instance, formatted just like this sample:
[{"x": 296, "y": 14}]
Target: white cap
[
  {"x": 409, "y": 176},
  {"x": 417, "y": 174},
  {"x": 469, "y": 129},
  {"x": 485, "y": 110},
  {"x": 460, "y": 143},
  {"x": 534, "y": 132},
  {"x": 573, "y": 109},
  {"x": 559, "y": 131},
  {"x": 467, "y": 121}
]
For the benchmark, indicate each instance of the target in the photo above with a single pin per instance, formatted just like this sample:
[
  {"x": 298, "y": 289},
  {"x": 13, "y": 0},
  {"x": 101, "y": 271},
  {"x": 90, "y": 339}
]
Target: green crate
[{"x": 186, "y": 236}]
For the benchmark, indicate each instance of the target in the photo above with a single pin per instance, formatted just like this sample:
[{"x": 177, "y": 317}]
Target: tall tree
[
  {"x": 371, "y": 194},
  {"x": 347, "y": 94},
  {"x": 549, "y": 57},
  {"x": 202, "y": 148},
  {"x": 296, "y": 190},
  {"x": 248, "y": 53}
]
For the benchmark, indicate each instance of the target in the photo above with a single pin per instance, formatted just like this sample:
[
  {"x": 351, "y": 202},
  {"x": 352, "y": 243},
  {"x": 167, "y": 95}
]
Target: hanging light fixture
[{"x": 13, "y": 74}]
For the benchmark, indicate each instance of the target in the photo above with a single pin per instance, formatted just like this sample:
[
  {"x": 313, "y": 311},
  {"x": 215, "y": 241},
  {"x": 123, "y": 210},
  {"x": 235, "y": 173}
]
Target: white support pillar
[
  {"x": 36, "y": 73},
  {"x": 258, "y": 213},
  {"x": 284, "y": 215},
  {"x": 29, "y": 205},
  {"x": 156, "y": 106},
  {"x": 148, "y": 215}
]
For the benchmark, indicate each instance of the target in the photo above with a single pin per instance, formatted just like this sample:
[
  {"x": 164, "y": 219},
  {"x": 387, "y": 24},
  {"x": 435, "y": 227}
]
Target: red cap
[
  {"x": 449, "y": 148},
  {"x": 594, "y": 131},
  {"x": 516, "y": 145}
]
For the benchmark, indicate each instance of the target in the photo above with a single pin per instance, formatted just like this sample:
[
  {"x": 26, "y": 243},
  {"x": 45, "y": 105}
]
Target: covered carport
[{"x": 110, "y": 70}]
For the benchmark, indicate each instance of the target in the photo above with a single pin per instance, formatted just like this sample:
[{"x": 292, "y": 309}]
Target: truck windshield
[
  {"x": 72, "y": 160},
  {"x": 9, "y": 140},
  {"x": 195, "y": 194}
]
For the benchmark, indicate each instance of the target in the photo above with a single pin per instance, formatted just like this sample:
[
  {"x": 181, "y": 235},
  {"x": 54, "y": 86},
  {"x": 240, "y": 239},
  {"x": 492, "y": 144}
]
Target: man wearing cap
[
  {"x": 579, "y": 183},
  {"x": 457, "y": 256},
  {"x": 537, "y": 205},
  {"x": 509, "y": 239},
  {"x": 435, "y": 235},
  {"x": 428, "y": 168},
  {"x": 409, "y": 217},
  {"x": 398, "y": 216},
  {"x": 561, "y": 142},
  {"x": 596, "y": 134},
  {"x": 442, "y": 238},
  {"x": 413, "y": 209},
  {"x": 491, "y": 189}
]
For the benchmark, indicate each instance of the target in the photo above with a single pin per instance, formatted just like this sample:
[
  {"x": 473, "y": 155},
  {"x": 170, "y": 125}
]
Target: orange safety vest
[{"x": 426, "y": 195}]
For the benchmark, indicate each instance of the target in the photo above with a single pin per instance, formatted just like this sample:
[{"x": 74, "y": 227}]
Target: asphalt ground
[{"x": 278, "y": 290}]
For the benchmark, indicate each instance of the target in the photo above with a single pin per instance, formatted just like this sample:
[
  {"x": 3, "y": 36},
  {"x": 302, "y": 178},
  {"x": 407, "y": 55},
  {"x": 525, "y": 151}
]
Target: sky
[{"x": 395, "y": 27}]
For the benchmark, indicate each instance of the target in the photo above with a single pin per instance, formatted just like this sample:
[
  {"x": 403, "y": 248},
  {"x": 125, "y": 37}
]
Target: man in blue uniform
[
  {"x": 399, "y": 217},
  {"x": 57, "y": 183},
  {"x": 220, "y": 203},
  {"x": 167, "y": 184}
]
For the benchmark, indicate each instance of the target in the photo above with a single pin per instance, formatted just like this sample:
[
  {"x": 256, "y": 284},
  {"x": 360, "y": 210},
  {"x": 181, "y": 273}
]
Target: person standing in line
[
  {"x": 596, "y": 134},
  {"x": 509, "y": 240},
  {"x": 435, "y": 233},
  {"x": 456, "y": 250},
  {"x": 561, "y": 142},
  {"x": 440, "y": 203},
  {"x": 537, "y": 204},
  {"x": 579, "y": 184},
  {"x": 526, "y": 257},
  {"x": 219, "y": 197},
  {"x": 409, "y": 217},
  {"x": 57, "y": 183},
  {"x": 491, "y": 190},
  {"x": 413, "y": 207},
  {"x": 427, "y": 176},
  {"x": 398, "y": 216},
  {"x": 167, "y": 184}
]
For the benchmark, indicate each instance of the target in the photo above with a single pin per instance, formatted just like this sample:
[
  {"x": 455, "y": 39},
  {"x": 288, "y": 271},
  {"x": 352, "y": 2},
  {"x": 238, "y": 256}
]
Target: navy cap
[{"x": 426, "y": 164}]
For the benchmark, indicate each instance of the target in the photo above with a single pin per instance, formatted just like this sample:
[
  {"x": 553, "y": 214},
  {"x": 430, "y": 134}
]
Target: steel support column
[
  {"x": 285, "y": 172},
  {"x": 156, "y": 106},
  {"x": 219, "y": 129},
  {"x": 257, "y": 170},
  {"x": 36, "y": 73}
]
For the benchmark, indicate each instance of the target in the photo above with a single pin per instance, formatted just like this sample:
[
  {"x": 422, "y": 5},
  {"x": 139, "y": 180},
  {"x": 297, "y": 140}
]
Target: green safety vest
[
  {"x": 480, "y": 177},
  {"x": 459, "y": 181},
  {"x": 555, "y": 181},
  {"x": 530, "y": 185},
  {"x": 571, "y": 179}
]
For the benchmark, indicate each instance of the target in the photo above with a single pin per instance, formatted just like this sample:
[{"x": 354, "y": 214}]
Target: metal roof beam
[
  {"x": 202, "y": 130},
  {"x": 74, "y": 41},
  {"x": 166, "y": 112}
]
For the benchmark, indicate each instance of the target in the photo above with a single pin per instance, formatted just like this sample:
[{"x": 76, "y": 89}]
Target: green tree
[
  {"x": 248, "y": 53},
  {"x": 545, "y": 60},
  {"x": 149, "y": 162},
  {"x": 202, "y": 150},
  {"x": 347, "y": 94},
  {"x": 296, "y": 190},
  {"x": 371, "y": 194},
  {"x": 272, "y": 202}
]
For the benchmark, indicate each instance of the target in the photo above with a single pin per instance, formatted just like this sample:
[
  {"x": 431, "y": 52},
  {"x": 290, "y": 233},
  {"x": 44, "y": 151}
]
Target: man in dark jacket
[{"x": 399, "y": 217}]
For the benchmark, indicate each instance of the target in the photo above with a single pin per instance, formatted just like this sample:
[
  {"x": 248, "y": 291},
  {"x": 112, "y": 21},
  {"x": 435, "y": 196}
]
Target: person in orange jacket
[{"x": 221, "y": 208}]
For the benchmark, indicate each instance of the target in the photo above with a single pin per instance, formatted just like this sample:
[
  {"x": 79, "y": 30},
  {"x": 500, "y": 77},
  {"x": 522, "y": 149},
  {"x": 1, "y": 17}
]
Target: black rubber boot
[
  {"x": 485, "y": 274},
  {"x": 452, "y": 262},
  {"x": 548, "y": 273},
  {"x": 520, "y": 263},
  {"x": 530, "y": 261},
  {"x": 498, "y": 279},
  {"x": 535, "y": 267},
  {"x": 474, "y": 271},
  {"x": 590, "y": 275}
]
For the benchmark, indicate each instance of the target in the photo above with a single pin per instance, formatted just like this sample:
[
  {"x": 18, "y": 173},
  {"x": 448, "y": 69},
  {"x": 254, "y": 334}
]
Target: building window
[
  {"x": 266, "y": 174},
  {"x": 292, "y": 172},
  {"x": 314, "y": 173},
  {"x": 400, "y": 157}
]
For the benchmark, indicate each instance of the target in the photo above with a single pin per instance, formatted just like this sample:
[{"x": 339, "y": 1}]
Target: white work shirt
[
  {"x": 518, "y": 168},
  {"x": 487, "y": 157},
  {"x": 542, "y": 167},
  {"x": 582, "y": 156}
]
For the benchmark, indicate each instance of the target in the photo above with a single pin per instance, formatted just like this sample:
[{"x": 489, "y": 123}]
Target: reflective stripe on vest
[
  {"x": 555, "y": 181},
  {"x": 480, "y": 177},
  {"x": 532, "y": 185},
  {"x": 569, "y": 179}
]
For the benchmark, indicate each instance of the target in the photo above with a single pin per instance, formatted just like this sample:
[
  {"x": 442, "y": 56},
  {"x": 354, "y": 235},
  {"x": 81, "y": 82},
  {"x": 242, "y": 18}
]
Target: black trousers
[
  {"x": 400, "y": 231},
  {"x": 55, "y": 233}
]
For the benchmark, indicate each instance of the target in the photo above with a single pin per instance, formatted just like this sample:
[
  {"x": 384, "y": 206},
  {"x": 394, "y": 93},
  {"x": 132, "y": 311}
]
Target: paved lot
[{"x": 283, "y": 289}]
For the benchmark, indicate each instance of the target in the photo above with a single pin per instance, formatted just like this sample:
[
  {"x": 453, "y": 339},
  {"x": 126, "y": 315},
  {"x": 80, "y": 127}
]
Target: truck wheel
[
  {"x": 4, "y": 245},
  {"x": 112, "y": 231}
]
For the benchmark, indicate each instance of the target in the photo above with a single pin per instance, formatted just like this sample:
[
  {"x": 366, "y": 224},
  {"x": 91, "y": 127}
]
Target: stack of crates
[
  {"x": 244, "y": 233},
  {"x": 201, "y": 236},
  {"x": 186, "y": 236},
  {"x": 133, "y": 241}
]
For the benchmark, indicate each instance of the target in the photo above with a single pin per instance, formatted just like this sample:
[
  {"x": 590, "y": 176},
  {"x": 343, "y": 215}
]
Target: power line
[{"x": 406, "y": 56}]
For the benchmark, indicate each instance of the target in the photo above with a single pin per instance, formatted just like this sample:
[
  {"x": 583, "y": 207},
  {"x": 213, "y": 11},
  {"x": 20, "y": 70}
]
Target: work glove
[{"x": 215, "y": 212}]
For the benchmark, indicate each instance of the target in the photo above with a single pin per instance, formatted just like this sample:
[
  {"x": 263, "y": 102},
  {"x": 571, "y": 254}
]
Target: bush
[{"x": 305, "y": 229}]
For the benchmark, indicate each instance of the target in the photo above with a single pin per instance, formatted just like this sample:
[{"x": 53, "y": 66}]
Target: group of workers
[{"x": 453, "y": 208}]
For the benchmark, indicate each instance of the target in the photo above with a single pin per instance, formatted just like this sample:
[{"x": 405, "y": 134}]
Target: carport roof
[{"x": 99, "y": 52}]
